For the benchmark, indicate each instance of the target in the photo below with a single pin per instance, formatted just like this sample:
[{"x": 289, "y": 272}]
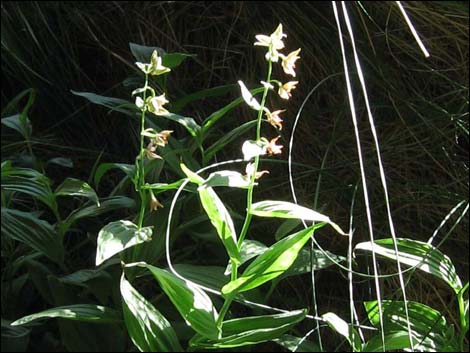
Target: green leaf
[
  {"x": 63, "y": 162},
  {"x": 227, "y": 138},
  {"x": 270, "y": 264},
  {"x": 14, "y": 338},
  {"x": 117, "y": 236},
  {"x": 29, "y": 182},
  {"x": 188, "y": 123},
  {"x": 303, "y": 264},
  {"x": 393, "y": 341},
  {"x": 214, "y": 117},
  {"x": 129, "y": 169},
  {"x": 423, "y": 256},
  {"x": 107, "y": 204},
  {"x": 14, "y": 122},
  {"x": 143, "y": 54},
  {"x": 117, "y": 104},
  {"x": 79, "y": 312},
  {"x": 297, "y": 344},
  {"x": 228, "y": 178},
  {"x": 282, "y": 209},
  {"x": 218, "y": 215},
  {"x": 32, "y": 231},
  {"x": 76, "y": 187},
  {"x": 428, "y": 326},
  {"x": 148, "y": 328},
  {"x": 208, "y": 276},
  {"x": 178, "y": 105},
  {"x": 344, "y": 329},
  {"x": 172, "y": 60},
  {"x": 251, "y": 330},
  {"x": 248, "y": 250},
  {"x": 192, "y": 303}
]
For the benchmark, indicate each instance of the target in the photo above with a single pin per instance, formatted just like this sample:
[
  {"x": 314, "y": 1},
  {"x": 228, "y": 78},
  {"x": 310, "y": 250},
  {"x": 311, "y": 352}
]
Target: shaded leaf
[
  {"x": 297, "y": 344},
  {"x": 76, "y": 187},
  {"x": 32, "y": 231}
]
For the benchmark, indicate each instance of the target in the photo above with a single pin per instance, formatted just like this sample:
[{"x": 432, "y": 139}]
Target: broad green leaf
[
  {"x": 248, "y": 250},
  {"x": 117, "y": 104},
  {"x": 188, "y": 123},
  {"x": 286, "y": 228},
  {"x": 172, "y": 60},
  {"x": 214, "y": 117},
  {"x": 14, "y": 122},
  {"x": 193, "y": 303},
  {"x": 148, "y": 328},
  {"x": 344, "y": 329},
  {"x": 29, "y": 182},
  {"x": 251, "y": 330},
  {"x": 178, "y": 105},
  {"x": 282, "y": 209},
  {"x": 160, "y": 187},
  {"x": 143, "y": 54},
  {"x": 61, "y": 161},
  {"x": 393, "y": 342},
  {"x": 419, "y": 254},
  {"x": 218, "y": 215},
  {"x": 297, "y": 344},
  {"x": 272, "y": 263},
  {"x": 107, "y": 204},
  {"x": 117, "y": 236},
  {"x": 14, "y": 338},
  {"x": 428, "y": 327},
  {"x": 208, "y": 276},
  {"x": 79, "y": 312},
  {"x": 227, "y": 178},
  {"x": 227, "y": 138},
  {"x": 129, "y": 169},
  {"x": 303, "y": 263},
  {"x": 32, "y": 231},
  {"x": 76, "y": 187}
]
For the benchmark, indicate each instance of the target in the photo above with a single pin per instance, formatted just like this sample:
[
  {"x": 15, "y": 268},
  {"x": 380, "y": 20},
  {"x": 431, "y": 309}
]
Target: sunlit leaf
[
  {"x": 251, "y": 330},
  {"x": 297, "y": 344},
  {"x": 228, "y": 178},
  {"x": 270, "y": 264},
  {"x": 429, "y": 328},
  {"x": 148, "y": 328},
  {"x": 282, "y": 209},
  {"x": 192, "y": 302},
  {"x": 117, "y": 236},
  {"x": 80, "y": 312},
  {"x": 218, "y": 215},
  {"x": 424, "y": 256},
  {"x": 344, "y": 329}
]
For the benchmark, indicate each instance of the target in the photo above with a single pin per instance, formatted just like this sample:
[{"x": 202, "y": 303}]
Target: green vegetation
[{"x": 149, "y": 202}]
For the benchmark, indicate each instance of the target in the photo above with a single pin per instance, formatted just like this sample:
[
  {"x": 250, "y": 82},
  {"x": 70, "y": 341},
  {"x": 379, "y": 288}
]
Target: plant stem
[
  {"x": 141, "y": 171},
  {"x": 249, "y": 199}
]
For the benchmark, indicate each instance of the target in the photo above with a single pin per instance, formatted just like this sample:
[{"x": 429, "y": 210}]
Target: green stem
[
  {"x": 141, "y": 171},
  {"x": 249, "y": 199},
  {"x": 224, "y": 310}
]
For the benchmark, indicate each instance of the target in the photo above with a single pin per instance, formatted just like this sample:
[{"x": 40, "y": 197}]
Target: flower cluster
[
  {"x": 154, "y": 104},
  {"x": 261, "y": 146}
]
